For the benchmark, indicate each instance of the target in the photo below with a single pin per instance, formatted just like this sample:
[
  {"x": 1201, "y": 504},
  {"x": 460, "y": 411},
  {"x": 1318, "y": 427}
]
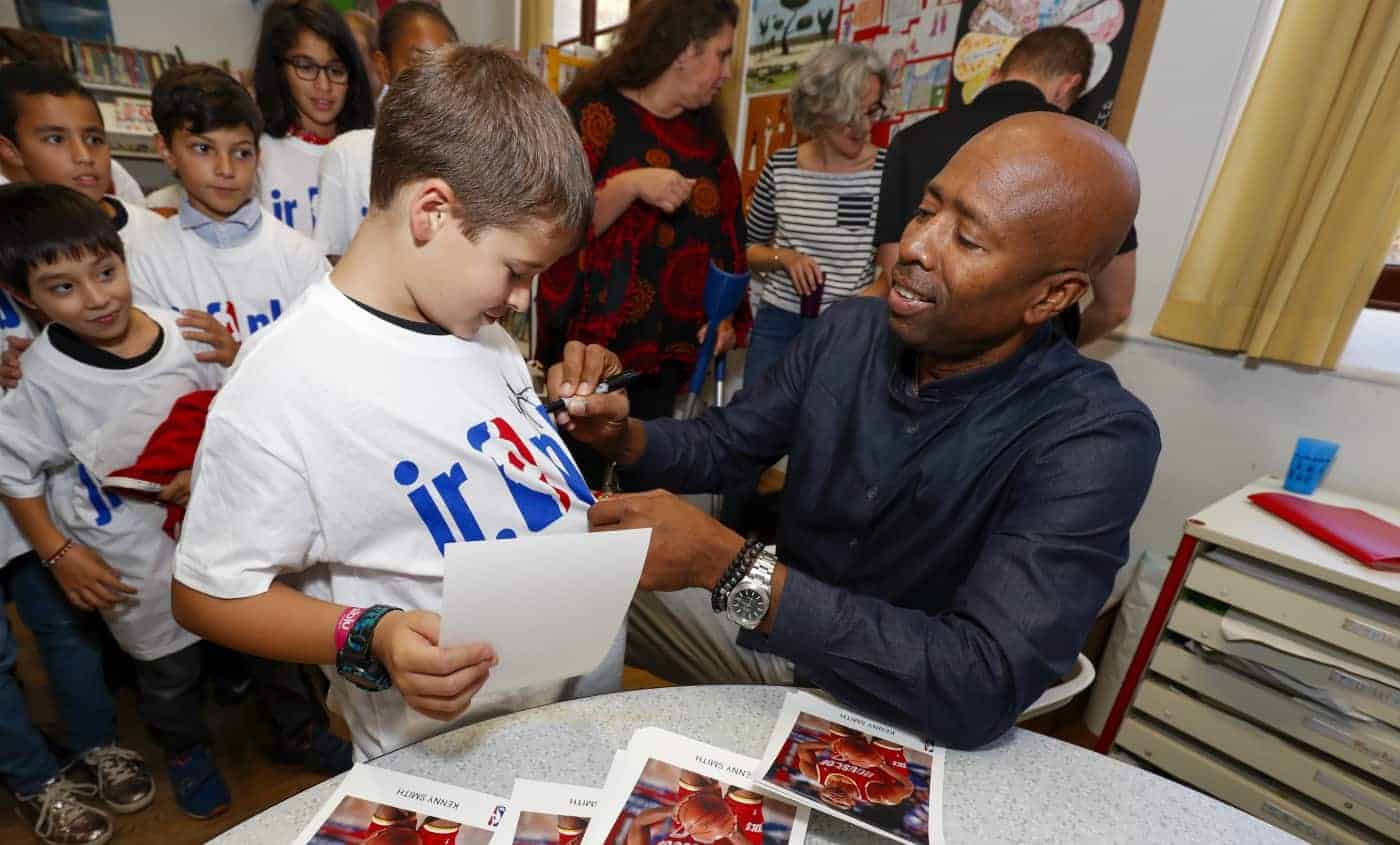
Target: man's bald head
[
  {"x": 1009, "y": 234},
  {"x": 1072, "y": 182}
]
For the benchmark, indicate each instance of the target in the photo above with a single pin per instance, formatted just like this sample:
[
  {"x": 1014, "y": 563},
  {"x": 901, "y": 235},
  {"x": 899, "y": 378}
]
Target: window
[
  {"x": 1387, "y": 291},
  {"x": 590, "y": 22}
]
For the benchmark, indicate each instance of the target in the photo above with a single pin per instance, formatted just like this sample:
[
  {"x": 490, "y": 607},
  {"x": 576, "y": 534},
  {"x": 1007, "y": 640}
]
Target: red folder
[{"x": 1369, "y": 539}]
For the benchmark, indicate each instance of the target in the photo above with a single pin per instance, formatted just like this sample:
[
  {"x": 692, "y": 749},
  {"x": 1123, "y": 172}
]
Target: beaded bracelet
[
  {"x": 743, "y": 561},
  {"x": 58, "y": 555}
]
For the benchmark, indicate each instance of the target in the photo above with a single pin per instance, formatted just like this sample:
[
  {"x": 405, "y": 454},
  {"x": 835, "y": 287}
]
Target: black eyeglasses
[
  {"x": 874, "y": 115},
  {"x": 307, "y": 70}
]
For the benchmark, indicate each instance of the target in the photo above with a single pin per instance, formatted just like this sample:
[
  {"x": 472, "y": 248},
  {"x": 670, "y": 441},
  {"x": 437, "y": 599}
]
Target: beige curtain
[
  {"x": 536, "y": 24},
  {"x": 1295, "y": 232}
]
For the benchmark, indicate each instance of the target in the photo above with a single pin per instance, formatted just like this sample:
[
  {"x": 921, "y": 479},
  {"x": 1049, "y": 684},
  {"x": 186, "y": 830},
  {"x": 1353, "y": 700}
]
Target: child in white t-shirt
[
  {"x": 407, "y": 31},
  {"x": 52, "y": 130},
  {"x": 98, "y": 362},
  {"x": 389, "y": 416},
  {"x": 311, "y": 85},
  {"x": 222, "y": 259}
]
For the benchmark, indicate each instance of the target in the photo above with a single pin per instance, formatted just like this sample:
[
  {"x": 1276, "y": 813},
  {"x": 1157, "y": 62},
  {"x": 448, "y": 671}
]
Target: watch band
[
  {"x": 355, "y": 660},
  {"x": 719, "y": 596}
]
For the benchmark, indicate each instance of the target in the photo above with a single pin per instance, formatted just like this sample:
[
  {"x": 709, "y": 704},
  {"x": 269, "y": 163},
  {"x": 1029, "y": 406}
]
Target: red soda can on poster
[
  {"x": 387, "y": 816},
  {"x": 571, "y": 830},
  {"x": 747, "y": 807},
  {"x": 437, "y": 831}
]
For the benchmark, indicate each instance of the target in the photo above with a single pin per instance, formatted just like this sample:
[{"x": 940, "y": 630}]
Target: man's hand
[
  {"x": 727, "y": 339},
  {"x": 87, "y": 580},
  {"x": 436, "y": 681},
  {"x": 598, "y": 419},
  {"x": 9, "y": 361},
  {"x": 177, "y": 492},
  {"x": 205, "y": 327},
  {"x": 688, "y": 547}
]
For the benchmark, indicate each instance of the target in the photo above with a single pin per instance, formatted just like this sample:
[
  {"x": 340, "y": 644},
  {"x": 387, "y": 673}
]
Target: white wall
[
  {"x": 483, "y": 21},
  {"x": 1224, "y": 421},
  {"x": 206, "y": 31}
]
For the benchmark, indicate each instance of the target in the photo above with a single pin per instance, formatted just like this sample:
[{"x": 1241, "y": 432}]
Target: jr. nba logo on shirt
[
  {"x": 242, "y": 326},
  {"x": 287, "y": 209},
  {"x": 9, "y": 314},
  {"x": 524, "y": 468}
]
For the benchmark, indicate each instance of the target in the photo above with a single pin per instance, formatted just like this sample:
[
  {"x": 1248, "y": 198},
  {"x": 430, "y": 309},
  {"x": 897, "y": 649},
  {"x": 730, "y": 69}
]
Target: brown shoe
[{"x": 58, "y": 816}]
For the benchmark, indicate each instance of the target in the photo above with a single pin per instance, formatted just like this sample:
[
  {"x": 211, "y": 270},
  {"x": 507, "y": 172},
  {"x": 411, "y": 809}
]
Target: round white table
[{"x": 1023, "y": 788}]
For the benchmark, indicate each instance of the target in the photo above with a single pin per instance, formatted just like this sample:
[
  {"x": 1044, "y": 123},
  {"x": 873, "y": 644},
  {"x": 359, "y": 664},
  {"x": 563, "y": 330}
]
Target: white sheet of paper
[
  {"x": 352, "y": 804},
  {"x": 550, "y": 605}
]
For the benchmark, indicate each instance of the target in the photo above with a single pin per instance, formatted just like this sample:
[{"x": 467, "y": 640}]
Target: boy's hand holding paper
[{"x": 435, "y": 680}]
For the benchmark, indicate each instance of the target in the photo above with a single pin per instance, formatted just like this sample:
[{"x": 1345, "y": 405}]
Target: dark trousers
[
  {"x": 287, "y": 699},
  {"x": 170, "y": 699}
]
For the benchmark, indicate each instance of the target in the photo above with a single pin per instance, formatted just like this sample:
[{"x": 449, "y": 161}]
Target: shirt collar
[
  {"x": 232, "y": 231},
  {"x": 1013, "y": 90},
  {"x": 964, "y": 385}
]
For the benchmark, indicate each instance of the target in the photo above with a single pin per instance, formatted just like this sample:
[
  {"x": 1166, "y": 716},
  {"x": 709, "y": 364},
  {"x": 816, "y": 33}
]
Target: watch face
[{"x": 748, "y": 605}]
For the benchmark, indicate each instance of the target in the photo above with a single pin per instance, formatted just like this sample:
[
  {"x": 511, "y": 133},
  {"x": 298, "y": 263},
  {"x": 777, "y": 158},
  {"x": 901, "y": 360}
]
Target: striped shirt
[{"x": 829, "y": 217}]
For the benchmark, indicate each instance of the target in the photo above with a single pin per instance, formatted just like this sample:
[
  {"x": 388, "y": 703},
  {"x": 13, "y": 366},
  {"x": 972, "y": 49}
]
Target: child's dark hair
[
  {"x": 281, "y": 24},
  {"x": 40, "y": 224},
  {"x": 32, "y": 79},
  {"x": 399, "y": 14},
  {"x": 477, "y": 119},
  {"x": 200, "y": 98}
]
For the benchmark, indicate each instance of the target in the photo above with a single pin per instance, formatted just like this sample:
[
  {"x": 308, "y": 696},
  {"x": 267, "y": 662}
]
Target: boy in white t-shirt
[
  {"x": 52, "y": 130},
  {"x": 388, "y": 416},
  {"x": 222, "y": 256},
  {"x": 96, "y": 363},
  {"x": 233, "y": 269},
  {"x": 407, "y": 31}
]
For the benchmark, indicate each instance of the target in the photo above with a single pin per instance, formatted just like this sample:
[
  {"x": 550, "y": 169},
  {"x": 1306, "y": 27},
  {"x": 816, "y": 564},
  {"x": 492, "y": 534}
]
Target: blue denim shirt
[
  {"x": 948, "y": 547},
  {"x": 235, "y": 230}
]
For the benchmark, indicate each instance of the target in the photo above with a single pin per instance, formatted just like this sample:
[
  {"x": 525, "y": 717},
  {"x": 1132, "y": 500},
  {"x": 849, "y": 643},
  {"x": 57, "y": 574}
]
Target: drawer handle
[{"x": 1366, "y": 630}]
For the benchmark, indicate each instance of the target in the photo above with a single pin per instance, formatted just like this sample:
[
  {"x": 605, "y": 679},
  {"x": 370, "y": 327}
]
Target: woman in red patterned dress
[{"x": 668, "y": 203}]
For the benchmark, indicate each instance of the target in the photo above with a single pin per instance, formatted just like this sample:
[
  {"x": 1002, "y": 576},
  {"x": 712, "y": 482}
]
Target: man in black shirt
[
  {"x": 961, "y": 480},
  {"x": 1045, "y": 71}
]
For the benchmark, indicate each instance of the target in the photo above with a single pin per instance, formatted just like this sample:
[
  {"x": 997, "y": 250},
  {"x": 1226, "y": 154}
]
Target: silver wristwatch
[{"x": 749, "y": 600}]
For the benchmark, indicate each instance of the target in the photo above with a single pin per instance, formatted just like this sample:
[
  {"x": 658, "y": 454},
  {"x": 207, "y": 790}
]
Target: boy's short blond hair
[{"x": 479, "y": 120}]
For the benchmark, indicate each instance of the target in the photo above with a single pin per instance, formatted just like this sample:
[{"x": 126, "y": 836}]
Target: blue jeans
[
  {"x": 72, "y": 658},
  {"x": 773, "y": 329}
]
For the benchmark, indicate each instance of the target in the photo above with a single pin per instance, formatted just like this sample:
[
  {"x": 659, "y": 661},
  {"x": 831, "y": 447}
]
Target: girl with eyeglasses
[{"x": 311, "y": 85}]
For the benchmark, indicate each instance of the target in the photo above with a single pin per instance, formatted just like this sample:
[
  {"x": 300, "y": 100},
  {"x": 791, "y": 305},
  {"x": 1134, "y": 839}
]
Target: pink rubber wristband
[{"x": 345, "y": 624}]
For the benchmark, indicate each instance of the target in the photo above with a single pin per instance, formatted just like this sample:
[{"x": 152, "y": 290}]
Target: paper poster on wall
[
  {"x": 915, "y": 40},
  {"x": 782, "y": 35},
  {"x": 992, "y": 27},
  {"x": 768, "y": 129}
]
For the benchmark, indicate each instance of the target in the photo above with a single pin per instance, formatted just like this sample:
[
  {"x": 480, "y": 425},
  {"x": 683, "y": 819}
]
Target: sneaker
[
  {"x": 199, "y": 788},
  {"x": 319, "y": 750},
  {"x": 58, "y": 816},
  {"x": 117, "y": 775}
]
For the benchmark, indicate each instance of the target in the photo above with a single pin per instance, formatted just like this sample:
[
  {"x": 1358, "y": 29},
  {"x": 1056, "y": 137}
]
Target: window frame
[{"x": 588, "y": 24}]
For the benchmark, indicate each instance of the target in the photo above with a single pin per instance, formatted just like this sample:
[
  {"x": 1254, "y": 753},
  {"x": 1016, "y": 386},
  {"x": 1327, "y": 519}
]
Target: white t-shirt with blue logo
[
  {"x": 346, "y": 454},
  {"x": 13, "y": 323},
  {"x": 288, "y": 171},
  {"x": 62, "y": 404},
  {"x": 344, "y": 182},
  {"x": 247, "y": 286}
]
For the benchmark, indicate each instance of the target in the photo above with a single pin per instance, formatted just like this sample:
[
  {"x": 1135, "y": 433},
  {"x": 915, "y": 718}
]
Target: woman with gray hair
[{"x": 811, "y": 221}]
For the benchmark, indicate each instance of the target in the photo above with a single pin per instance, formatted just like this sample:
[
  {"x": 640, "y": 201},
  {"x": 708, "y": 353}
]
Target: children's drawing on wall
[{"x": 782, "y": 35}]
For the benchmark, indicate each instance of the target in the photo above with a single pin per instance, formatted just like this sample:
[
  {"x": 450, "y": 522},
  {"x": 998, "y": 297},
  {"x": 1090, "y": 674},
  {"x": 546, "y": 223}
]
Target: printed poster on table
[
  {"x": 670, "y": 788},
  {"x": 544, "y": 813},
  {"x": 378, "y": 807},
  {"x": 990, "y": 28},
  {"x": 861, "y": 771}
]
